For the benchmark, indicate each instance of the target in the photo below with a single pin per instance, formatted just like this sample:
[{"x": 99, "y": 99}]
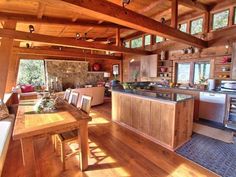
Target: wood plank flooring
[{"x": 115, "y": 152}]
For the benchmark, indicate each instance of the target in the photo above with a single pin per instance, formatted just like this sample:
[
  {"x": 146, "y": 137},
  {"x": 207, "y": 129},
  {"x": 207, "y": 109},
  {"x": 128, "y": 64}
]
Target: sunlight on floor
[{"x": 98, "y": 119}]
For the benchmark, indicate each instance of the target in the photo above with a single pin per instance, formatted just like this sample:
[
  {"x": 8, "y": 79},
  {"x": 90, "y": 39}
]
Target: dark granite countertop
[{"x": 157, "y": 95}]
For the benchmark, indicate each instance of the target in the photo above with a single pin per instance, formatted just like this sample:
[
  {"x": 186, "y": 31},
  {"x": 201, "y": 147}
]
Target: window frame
[
  {"x": 144, "y": 40},
  {"x": 186, "y": 26},
  {"x": 163, "y": 39},
  {"x": 194, "y": 19},
  {"x": 219, "y": 11},
  {"x": 192, "y": 69},
  {"x": 201, "y": 62},
  {"x": 234, "y": 16},
  {"x": 137, "y": 37}
]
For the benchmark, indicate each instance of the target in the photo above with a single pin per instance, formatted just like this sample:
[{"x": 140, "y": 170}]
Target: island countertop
[{"x": 157, "y": 95}]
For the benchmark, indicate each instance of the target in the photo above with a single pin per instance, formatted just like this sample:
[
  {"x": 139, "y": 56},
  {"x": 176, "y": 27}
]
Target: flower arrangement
[{"x": 45, "y": 104}]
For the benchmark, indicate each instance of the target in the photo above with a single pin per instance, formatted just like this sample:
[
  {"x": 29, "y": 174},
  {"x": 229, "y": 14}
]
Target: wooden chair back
[
  {"x": 67, "y": 94},
  {"x": 86, "y": 102},
  {"x": 74, "y": 98}
]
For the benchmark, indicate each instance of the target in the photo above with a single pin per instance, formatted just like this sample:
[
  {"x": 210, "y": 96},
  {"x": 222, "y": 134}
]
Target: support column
[
  {"x": 5, "y": 54},
  {"x": 118, "y": 37},
  {"x": 174, "y": 14}
]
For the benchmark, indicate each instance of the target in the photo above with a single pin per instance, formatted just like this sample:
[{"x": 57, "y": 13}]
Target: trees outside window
[
  {"x": 127, "y": 44},
  {"x": 183, "y": 73},
  {"x": 197, "y": 26},
  {"x": 31, "y": 72},
  {"x": 201, "y": 72},
  {"x": 220, "y": 19},
  {"x": 147, "y": 39},
  {"x": 183, "y": 27},
  {"x": 159, "y": 39},
  {"x": 136, "y": 43}
]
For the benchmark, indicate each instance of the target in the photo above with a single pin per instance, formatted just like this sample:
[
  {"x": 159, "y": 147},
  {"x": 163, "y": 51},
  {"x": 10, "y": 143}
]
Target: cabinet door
[
  {"x": 145, "y": 115},
  {"x": 162, "y": 122},
  {"x": 136, "y": 112},
  {"x": 125, "y": 109},
  {"x": 116, "y": 106}
]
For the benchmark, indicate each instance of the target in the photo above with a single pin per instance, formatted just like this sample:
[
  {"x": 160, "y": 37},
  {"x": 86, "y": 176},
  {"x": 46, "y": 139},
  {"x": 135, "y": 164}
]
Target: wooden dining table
[{"x": 30, "y": 125}]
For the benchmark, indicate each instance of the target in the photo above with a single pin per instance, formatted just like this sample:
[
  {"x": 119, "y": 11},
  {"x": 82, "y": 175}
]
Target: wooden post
[
  {"x": 174, "y": 14},
  {"x": 206, "y": 22},
  {"x": 83, "y": 138},
  {"x": 118, "y": 37},
  {"x": 5, "y": 51},
  {"x": 12, "y": 72}
]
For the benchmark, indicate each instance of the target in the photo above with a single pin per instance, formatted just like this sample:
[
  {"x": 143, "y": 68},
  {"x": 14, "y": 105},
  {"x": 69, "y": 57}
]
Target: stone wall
[{"x": 70, "y": 74}]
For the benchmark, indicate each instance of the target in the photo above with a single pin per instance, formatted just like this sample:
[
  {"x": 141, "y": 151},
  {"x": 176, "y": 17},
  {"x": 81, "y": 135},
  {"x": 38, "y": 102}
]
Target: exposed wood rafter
[
  {"x": 18, "y": 35},
  {"x": 194, "y": 4},
  {"x": 41, "y": 8},
  {"x": 116, "y": 14},
  {"x": 56, "y": 21},
  {"x": 58, "y": 53}
]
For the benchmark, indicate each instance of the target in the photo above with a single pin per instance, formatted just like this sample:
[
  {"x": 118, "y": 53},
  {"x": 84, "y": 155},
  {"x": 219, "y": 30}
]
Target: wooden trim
[
  {"x": 18, "y": 35},
  {"x": 125, "y": 17}
]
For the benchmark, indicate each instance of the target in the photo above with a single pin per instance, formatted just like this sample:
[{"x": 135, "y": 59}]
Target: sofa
[
  {"x": 6, "y": 126},
  {"x": 96, "y": 92}
]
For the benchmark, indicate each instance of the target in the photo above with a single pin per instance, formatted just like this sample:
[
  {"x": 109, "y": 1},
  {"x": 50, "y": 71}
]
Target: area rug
[
  {"x": 223, "y": 135},
  {"x": 215, "y": 155}
]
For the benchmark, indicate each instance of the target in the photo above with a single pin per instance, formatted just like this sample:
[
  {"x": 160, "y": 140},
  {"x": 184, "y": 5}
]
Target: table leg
[
  {"x": 83, "y": 138},
  {"x": 27, "y": 148}
]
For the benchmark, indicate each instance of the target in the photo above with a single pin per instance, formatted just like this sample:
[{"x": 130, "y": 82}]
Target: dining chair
[
  {"x": 67, "y": 94},
  {"x": 71, "y": 136},
  {"x": 74, "y": 98}
]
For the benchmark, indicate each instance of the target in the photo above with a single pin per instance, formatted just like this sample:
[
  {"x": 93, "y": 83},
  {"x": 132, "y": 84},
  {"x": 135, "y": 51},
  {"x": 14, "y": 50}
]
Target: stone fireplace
[{"x": 70, "y": 74}]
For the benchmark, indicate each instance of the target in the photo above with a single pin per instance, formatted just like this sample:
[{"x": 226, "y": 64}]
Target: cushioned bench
[{"x": 6, "y": 126}]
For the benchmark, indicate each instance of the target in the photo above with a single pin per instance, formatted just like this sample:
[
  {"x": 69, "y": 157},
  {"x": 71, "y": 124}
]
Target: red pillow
[{"x": 27, "y": 88}]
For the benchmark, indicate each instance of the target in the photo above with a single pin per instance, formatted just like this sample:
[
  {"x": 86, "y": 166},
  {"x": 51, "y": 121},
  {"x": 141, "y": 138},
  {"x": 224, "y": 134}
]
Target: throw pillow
[{"x": 4, "y": 113}]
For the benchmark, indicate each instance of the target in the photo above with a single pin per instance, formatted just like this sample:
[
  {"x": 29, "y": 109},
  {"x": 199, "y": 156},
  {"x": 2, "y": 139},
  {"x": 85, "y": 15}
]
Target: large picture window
[
  {"x": 183, "y": 73},
  {"x": 31, "y": 72},
  {"x": 220, "y": 19},
  {"x": 197, "y": 26},
  {"x": 136, "y": 43}
]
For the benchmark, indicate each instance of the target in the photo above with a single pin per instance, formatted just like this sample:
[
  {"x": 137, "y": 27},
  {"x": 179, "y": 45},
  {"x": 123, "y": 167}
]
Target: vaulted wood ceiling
[{"x": 41, "y": 9}]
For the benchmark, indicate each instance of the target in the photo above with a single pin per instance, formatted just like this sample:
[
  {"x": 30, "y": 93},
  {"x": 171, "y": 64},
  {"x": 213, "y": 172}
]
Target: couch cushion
[
  {"x": 27, "y": 88},
  {"x": 5, "y": 135}
]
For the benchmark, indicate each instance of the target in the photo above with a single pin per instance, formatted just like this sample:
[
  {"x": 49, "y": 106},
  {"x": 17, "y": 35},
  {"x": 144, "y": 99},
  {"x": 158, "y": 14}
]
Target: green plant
[{"x": 135, "y": 74}]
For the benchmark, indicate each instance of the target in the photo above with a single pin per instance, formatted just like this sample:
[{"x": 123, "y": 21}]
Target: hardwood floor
[{"x": 115, "y": 151}]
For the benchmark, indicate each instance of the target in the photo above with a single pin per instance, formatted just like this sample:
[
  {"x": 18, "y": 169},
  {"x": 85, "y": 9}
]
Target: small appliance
[
  {"x": 211, "y": 84},
  {"x": 228, "y": 85}
]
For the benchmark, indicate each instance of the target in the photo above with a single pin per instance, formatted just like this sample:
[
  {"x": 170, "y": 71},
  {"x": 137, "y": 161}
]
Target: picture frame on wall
[{"x": 115, "y": 69}]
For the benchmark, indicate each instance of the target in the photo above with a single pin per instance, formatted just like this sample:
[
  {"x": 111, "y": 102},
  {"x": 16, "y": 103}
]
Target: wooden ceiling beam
[
  {"x": 61, "y": 53},
  {"x": 41, "y": 8},
  {"x": 194, "y": 4},
  {"x": 24, "y": 36},
  {"x": 125, "y": 17},
  {"x": 56, "y": 21}
]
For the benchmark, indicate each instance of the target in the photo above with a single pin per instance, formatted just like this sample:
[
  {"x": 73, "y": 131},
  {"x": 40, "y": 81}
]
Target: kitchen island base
[{"x": 168, "y": 123}]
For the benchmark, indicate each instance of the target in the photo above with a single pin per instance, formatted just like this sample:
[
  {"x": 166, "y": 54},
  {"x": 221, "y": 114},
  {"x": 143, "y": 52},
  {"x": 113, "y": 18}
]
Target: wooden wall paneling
[
  {"x": 206, "y": 26},
  {"x": 118, "y": 41},
  {"x": 155, "y": 127},
  {"x": 5, "y": 51},
  {"x": 125, "y": 110},
  {"x": 136, "y": 108},
  {"x": 116, "y": 103},
  {"x": 184, "y": 122},
  {"x": 167, "y": 123},
  {"x": 12, "y": 72},
  {"x": 153, "y": 65},
  {"x": 145, "y": 115}
]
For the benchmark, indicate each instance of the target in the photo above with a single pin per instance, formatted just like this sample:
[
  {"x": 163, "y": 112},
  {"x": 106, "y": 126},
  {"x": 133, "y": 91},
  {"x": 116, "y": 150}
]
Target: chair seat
[{"x": 68, "y": 136}]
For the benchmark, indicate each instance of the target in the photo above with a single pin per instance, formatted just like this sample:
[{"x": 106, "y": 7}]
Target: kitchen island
[{"x": 165, "y": 118}]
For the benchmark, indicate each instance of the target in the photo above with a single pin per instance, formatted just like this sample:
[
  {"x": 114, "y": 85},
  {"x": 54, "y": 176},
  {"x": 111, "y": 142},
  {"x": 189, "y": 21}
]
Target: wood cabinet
[
  {"x": 166, "y": 123},
  {"x": 149, "y": 66}
]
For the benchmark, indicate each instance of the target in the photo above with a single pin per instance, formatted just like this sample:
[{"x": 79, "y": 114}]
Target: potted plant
[{"x": 202, "y": 83}]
